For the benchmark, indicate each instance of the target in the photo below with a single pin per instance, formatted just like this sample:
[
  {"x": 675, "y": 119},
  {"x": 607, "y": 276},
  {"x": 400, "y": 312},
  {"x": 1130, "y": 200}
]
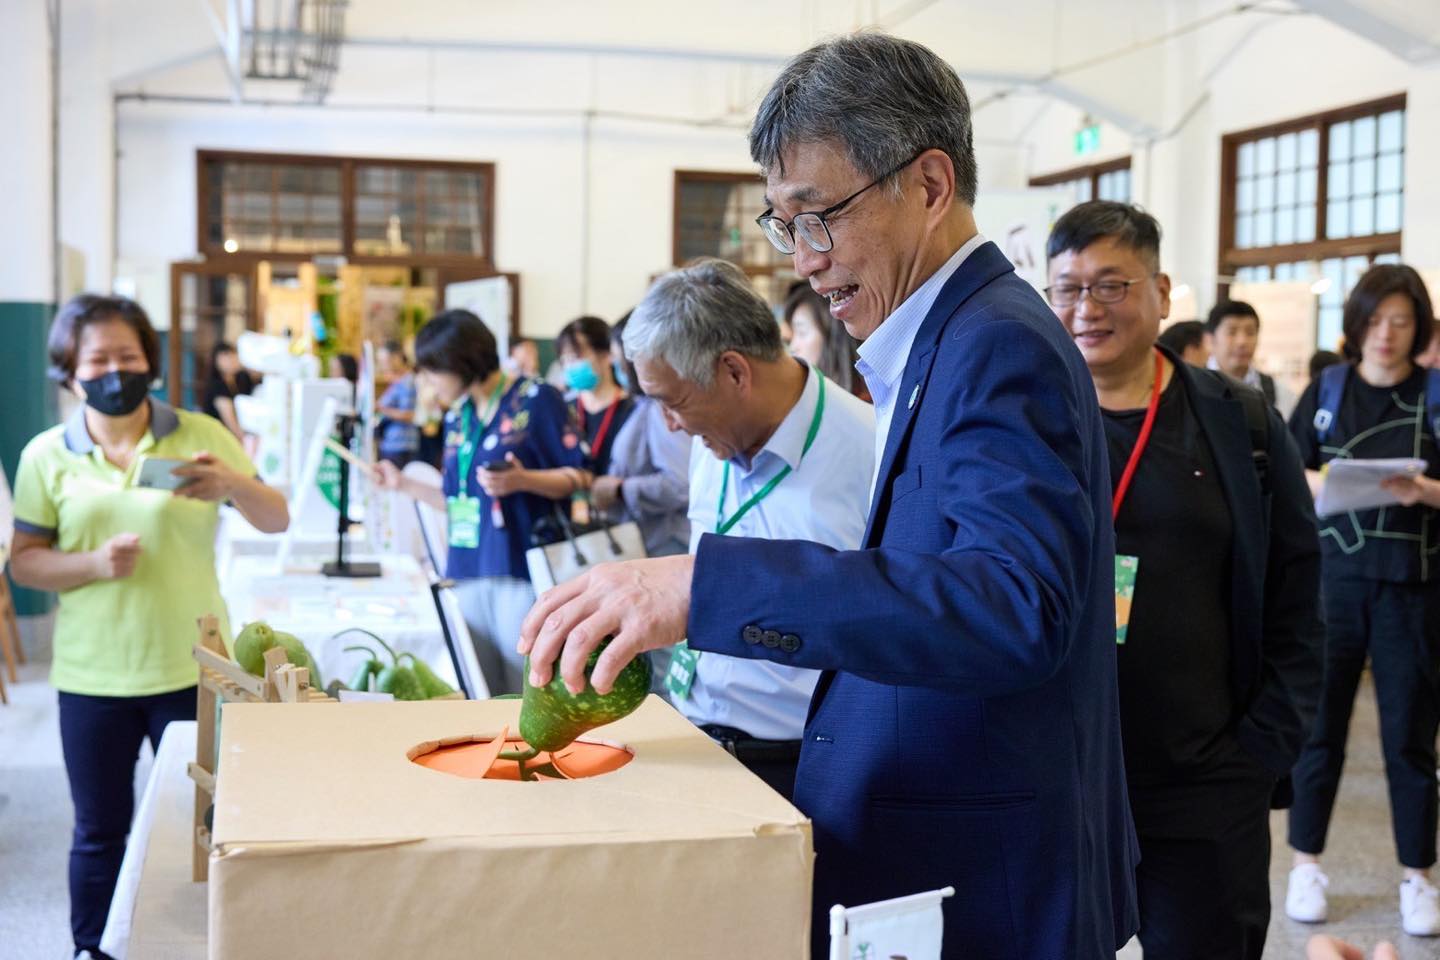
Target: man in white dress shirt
[
  {"x": 778, "y": 453},
  {"x": 1234, "y": 333}
]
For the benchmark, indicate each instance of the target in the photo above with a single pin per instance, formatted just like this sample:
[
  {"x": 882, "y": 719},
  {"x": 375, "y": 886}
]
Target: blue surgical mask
[
  {"x": 581, "y": 375},
  {"x": 621, "y": 377}
]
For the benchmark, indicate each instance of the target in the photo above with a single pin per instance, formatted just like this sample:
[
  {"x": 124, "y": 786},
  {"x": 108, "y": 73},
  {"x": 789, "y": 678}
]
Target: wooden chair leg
[
  {"x": 9, "y": 640},
  {"x": 4, "y": 698},
  {"x": 7, "y": 600}
]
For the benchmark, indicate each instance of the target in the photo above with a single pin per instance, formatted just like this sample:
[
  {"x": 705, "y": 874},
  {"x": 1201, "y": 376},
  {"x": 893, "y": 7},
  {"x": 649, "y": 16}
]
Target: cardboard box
[{"x": 330, "y": 842}]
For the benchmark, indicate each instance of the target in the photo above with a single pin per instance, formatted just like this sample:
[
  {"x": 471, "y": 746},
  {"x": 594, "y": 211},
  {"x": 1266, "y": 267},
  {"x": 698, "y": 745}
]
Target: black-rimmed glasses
[
  {"x": 1106, "y": 291},
  {"x": 810, "y": 225}
]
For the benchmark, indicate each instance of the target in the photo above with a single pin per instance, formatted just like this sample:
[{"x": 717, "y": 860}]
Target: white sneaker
[
  {"x": 1419, "y": 907},
  {"x": 1305, "y": 896}
]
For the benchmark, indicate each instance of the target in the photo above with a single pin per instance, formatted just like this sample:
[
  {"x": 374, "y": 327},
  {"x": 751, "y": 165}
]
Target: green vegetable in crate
[
  {"x": 397, "y": 679},
  {"x": 258, "y": 637},
  {"x": 432, "y": 684},
  {"x": 551, "y": 717},
  {"x": 370, "y": 668}
]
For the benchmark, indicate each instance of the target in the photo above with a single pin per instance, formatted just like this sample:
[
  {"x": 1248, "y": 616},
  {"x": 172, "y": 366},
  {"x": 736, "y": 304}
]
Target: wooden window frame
[
  {"x": 714, "y": 176},
  {"x": 1091, "y": 171},
  {"x": 1321, "y": 248},
  {"x": 347, "y": 165}
]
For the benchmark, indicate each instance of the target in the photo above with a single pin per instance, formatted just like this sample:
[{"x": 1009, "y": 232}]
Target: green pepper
[
  {"x": 432, "y": 684},
  {"x": 371, "y": 667}
]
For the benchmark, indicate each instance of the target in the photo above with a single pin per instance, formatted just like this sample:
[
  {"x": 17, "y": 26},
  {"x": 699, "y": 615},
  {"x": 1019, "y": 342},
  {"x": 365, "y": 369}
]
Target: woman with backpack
[{"x": 1379, "y": 571}]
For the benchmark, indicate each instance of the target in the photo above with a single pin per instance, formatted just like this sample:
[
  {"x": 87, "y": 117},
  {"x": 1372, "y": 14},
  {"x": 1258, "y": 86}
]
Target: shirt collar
[
  {"x": 163, "y": 422},
  {"x": 885, "y": 352},
  {"x": 788, "y": 441},
  {"x": 1251, "y": 378}
]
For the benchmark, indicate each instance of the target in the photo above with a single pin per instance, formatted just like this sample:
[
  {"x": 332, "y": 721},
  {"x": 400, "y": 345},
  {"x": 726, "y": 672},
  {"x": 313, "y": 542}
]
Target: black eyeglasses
[
  {"x": 811, "y": 226},
  {"x": 1106, "y": 291}
]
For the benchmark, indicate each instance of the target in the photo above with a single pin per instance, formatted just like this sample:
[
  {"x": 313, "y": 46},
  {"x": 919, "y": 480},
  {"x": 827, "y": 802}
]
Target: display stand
[
  {"x": 342, "y": 567},
  {"x": 223, "y": 681}
]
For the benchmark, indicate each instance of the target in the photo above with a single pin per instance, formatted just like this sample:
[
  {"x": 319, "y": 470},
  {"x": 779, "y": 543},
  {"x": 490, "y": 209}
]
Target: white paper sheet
[{"x": 1355, "y": 484}]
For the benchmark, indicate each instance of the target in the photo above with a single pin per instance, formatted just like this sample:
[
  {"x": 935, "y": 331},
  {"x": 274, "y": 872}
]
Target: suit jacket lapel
[{"x": 982, "y": 266}]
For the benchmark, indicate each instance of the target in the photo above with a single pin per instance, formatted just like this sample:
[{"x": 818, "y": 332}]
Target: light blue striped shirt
[
  {"x": 825, "y": 500},
  {"x": 885, "y": 352}
]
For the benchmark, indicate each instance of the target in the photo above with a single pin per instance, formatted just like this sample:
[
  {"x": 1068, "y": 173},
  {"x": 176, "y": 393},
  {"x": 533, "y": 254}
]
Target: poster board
[
  {"x": 1287, "y": 329},
  {"x": 7, "y": 520},
  {"x": 491, "y": 299},
  {"x": 1019, "y": 222}
]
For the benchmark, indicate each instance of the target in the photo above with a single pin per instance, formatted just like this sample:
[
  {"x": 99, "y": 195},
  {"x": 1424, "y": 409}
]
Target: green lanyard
[
  {"x": 466, "y": 456},
  {"x": 722, "y": 526}
]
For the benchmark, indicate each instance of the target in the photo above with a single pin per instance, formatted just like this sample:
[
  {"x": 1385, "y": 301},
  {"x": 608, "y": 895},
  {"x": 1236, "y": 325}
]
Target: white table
[
  {"x": 158, "y": 912},
  {"x": 300, "y": 600}
]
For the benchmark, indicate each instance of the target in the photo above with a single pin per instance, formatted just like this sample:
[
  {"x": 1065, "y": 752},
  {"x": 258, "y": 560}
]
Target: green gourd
[
  {"x": 250, "y": 647},
  {"x": 400, "y": 682},
  {"x": 432, "y": 684},
  {"x": 370, "y": 668},
  {"x": 551, "y": 717},
  {"x": 257, "y": 638}
]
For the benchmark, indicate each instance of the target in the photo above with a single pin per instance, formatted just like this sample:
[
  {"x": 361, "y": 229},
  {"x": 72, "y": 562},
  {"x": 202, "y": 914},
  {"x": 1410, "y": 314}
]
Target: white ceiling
[{"x": 709, "y": 63}]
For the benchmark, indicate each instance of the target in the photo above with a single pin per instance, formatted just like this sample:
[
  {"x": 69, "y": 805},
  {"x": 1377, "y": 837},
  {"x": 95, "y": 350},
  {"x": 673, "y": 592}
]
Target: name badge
[
  {"x": 1125, "y": 570},
  {"x": 682, "y": 671},
  {"x": 463, "y": 516}
]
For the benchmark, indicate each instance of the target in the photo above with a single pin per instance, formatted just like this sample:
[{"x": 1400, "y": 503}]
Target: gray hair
[
  {"x": 693, "y": 315},
  {"x": 885, "y": 100}
]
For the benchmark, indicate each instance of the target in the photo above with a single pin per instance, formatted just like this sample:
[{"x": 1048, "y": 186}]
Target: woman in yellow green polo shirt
[{"x": 133, "y": 567}]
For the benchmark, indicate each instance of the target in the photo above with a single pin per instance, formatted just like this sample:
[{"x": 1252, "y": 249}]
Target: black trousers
[
  {"x": 1397, "y": 626},
  {"x": 1203, "y": 879},
  {"x": 100, "y": 738}
]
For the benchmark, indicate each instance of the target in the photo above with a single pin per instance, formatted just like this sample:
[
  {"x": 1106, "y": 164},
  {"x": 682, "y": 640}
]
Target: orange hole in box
[{"x": 472, "y": 759}]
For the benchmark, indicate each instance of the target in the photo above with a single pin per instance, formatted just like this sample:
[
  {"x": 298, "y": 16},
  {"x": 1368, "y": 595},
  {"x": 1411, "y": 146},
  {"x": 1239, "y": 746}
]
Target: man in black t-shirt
[{"x": 1217, "y": 582}]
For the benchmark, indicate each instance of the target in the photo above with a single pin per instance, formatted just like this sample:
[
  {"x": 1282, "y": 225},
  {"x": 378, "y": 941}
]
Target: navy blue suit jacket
[{"x": 965, "y": 731}]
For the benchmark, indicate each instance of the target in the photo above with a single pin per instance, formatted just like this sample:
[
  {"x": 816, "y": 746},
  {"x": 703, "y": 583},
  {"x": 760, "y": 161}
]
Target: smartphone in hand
[{"x": 156, "y": 474}]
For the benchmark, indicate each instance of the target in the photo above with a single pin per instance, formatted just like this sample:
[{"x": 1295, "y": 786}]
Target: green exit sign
[{"x": 1087, "y": 140}]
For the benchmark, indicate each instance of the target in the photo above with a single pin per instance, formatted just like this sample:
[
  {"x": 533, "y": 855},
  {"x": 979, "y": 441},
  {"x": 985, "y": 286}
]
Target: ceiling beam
[{"x": 1398, "y": 39}]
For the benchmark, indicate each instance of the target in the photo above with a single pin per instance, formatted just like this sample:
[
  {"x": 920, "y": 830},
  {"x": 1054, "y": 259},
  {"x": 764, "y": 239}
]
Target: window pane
[
  {"x": 1285, "y": 188},
  {"x": 1388, "y": 172},
  {"x": 1288, "y": 152},
  {"x": 1362, "y": 137},
  {"x": 1264, "y": 228},
  {"x": 1387, "y": 258},
  {"x": 1387, "y": 213},
  {"x": 1355, "y": 268},
  {"x": 1285, "y": 225},
  {"x": 1244, "y": 231},
  {"x": 1265, "y": 156},
  {"x": 1334, "y": 271},
  {"x": 1339, "y": 141},
  {"x": 1338, "y": 185},
  {"x": 1362, "y": 216},
  {"x": 1305, "y": 223},
  {"x": 1265, "y": 193},
  {"x": 1082, "y": 190},
  {"x": 1245, "y": 160},
  {"x": 1329, "y": 327},
  {"x": 1337, "y": 219},
  {"x": 1245, "y": 195},
  {"x": 1309, "y": 148},
  {"x": 1362, "y": 177},
  {"x": 1392, "y": 130},
  {"x": 1308, "y": 181}
]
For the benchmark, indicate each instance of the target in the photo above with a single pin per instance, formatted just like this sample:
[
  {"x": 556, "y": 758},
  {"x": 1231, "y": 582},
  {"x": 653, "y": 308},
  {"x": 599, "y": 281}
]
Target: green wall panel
[{"x": 27, "y": 400}]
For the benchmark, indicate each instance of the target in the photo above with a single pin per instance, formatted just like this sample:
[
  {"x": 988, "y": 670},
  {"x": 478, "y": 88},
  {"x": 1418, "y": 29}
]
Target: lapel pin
[{"x": 914, "y": 395}]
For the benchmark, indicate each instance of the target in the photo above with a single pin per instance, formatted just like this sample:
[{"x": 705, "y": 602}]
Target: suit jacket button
[
  {"x": 751, "y": 634},
  {"x": 789, "y": 643},
  {"x": 771, "y": 639}
]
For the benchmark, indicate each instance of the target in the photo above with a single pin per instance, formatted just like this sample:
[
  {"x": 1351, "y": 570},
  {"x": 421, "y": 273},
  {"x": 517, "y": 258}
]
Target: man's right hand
[{"x": 116, "y": 558}]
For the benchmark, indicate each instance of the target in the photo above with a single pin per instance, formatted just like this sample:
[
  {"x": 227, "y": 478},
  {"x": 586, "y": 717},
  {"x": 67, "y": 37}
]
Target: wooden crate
[{"x": 223, "y": 681}]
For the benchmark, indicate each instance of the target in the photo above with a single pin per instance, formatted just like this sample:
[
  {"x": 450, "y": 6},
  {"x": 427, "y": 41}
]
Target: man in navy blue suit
[{"x": 965, "y": 730}]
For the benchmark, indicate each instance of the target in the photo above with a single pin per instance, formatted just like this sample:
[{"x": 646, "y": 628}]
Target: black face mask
[{"x": 117, "y": 393}]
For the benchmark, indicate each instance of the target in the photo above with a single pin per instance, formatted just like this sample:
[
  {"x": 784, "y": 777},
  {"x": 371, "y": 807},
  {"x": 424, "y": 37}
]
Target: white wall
[
  {"x": 1288, "y": 67},
  {"x": 26, "y": 269}
]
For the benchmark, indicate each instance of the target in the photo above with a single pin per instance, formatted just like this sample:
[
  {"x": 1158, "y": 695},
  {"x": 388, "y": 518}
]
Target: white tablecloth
[
  {"x": 157, "y": 912},
  {"x": 302, "y": 601}
]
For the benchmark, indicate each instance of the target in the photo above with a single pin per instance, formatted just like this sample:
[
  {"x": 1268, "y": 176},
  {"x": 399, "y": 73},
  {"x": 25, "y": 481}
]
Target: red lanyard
[
  {"x": 600, "y": 434},
  {"x": 1140, "y": 443}
]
